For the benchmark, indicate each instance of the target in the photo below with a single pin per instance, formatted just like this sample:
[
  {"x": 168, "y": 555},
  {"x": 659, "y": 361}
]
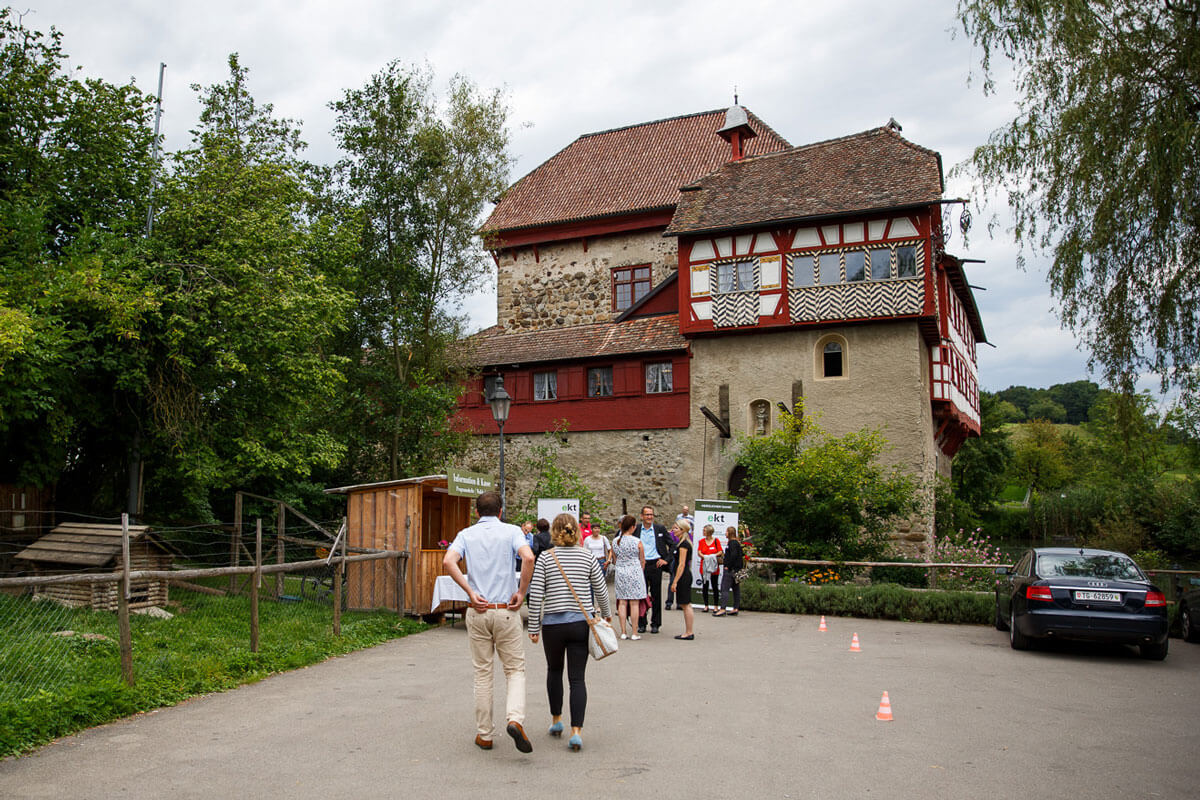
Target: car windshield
[{"x": 1075, "y": 565}]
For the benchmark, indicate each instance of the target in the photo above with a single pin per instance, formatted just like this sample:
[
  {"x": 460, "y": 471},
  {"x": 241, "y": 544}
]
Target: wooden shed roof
[
  {"x": 84, "y": 543},
  {"x": 436, "y": 480}
]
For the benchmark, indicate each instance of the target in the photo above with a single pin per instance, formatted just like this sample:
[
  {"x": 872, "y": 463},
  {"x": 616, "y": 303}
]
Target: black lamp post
[{"x": 500, "y": 403}]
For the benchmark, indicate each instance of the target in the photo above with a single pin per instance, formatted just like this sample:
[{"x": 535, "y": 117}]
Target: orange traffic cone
[
  {"x": 854, "y": 648},
  {"x": 822, "y": 629},
  {"x": 884, "y": 713}
]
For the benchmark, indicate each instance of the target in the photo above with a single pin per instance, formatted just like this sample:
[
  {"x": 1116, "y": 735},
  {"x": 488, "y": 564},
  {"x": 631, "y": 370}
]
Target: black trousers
[
  {"x": 654, "y": 584},
  {"x": 671, "y": 565},
  {"x": 727, "y": 583},
  {"x": 711, "y": 582},
  {"x": 567, "y": 641}
]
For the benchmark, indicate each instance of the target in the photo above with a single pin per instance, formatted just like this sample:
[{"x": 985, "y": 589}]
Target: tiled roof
[
  {"x": 872, "y": 170},
  {"x": 622, "y": 171},
  {"x": 494, "y": 345}
]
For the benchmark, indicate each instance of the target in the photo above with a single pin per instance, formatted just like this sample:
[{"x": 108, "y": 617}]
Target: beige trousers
[{"x": 498, "y": 631}]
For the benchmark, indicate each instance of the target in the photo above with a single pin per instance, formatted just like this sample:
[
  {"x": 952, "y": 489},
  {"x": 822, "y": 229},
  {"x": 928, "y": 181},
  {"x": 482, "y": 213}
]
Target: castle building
[{"x": 665, "y": 288}]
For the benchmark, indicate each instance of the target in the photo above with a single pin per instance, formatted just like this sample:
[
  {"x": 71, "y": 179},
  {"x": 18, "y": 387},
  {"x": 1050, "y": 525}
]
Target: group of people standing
[{"x": 561, "y": 573}]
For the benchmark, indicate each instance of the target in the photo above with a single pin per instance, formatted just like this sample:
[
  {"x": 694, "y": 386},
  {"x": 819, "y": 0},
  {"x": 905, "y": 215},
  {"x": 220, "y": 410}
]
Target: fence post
[
  {"x": 255, "y": 584},
  {"x": 123, "y": 632},
  {"x": 280, "y": 529},
  {"x": 401, "y": 565},
  {"x": 235, "y": 540}
]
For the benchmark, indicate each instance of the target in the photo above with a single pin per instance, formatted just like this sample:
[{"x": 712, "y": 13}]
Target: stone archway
[{"x": 737, "y": 480}]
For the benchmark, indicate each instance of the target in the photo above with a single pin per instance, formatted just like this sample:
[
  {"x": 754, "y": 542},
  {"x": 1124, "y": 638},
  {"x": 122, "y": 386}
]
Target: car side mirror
[{"x": 1003, "y": 570}]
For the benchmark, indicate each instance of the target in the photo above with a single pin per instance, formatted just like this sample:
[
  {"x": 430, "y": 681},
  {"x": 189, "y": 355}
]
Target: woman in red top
[{"x": 709, "y": 549}]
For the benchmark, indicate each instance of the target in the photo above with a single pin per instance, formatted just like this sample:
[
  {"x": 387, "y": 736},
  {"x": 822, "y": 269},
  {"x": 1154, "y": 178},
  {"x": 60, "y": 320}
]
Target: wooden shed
[
  {"x": 412, "y": 514},
  {"x": 87, "y": 547},
  {"x": 25, "y": 512}
]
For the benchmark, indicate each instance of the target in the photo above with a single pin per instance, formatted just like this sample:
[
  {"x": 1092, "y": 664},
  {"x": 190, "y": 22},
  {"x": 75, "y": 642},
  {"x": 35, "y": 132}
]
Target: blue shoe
[
  {"x": 556, "y": 729},
  {"x": 575, "y": 743}
]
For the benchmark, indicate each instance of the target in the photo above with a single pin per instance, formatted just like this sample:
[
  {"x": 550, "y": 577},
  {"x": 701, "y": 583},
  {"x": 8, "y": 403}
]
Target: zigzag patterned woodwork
[
  {"x": 867, "y": 300},
  {"x": 735, "y": 308}
]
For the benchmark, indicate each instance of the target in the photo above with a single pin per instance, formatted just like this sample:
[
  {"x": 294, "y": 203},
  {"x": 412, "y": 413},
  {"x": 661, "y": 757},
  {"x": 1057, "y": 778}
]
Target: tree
[
  {"x": 1128, "y": 443},
  {"x": 1101, "y": 166},
  {"x": 74, "y": 168},
  {"x": 1020, "y": 397},
  {"x": 420, "y": 174},
  {"x": 1040, "y": 457},
  {"x": 980, "y": 468},
  {"x": 239, "y": 372},
  {"x": 1048, "y": 410},
  {"x": 1076, "y": 398},
  {"x": 810, "y": 495}
]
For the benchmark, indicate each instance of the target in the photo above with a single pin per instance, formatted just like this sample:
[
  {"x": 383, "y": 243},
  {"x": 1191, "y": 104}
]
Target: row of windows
[
  {"x": 659, "y": 380},
  {"x": 851, "y": 266},
  {"x": 827, "y": 267}
]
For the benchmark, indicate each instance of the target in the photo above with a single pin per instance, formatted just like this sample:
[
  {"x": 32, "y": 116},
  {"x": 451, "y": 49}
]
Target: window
[
  {"x": 629, "y": 284},
  {"x": 881, "y": 264},
  {"x": 600, "y": 382},
  {"x": 831, "y": 360},
  {"x": 489, "y": 387},
  {"x": 802, "y": 270},
  {"x": 658, "y": 378},
  {"x": 856, "y": 265},
  {"x": 906, "y": 261},
  {"x": 545, "y": 386},
  {"x": 830, "y": 265},
  {"x": 735, "y": 276}
]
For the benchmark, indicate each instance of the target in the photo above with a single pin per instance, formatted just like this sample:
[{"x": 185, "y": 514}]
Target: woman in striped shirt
[{"x": 556, "y": 617}]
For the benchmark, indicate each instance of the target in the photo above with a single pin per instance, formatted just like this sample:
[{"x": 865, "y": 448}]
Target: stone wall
[
  {"x": 564, "y": 284},
  {"x": 625, "y": 469}
]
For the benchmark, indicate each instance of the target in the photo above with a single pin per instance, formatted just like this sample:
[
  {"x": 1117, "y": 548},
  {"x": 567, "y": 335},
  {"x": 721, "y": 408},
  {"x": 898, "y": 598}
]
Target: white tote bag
[{"x": 602, "y": 642}]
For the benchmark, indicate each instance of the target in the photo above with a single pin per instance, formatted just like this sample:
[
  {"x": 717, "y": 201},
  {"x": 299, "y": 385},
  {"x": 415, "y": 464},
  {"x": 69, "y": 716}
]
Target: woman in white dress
[{"x": 630, "y": 583}]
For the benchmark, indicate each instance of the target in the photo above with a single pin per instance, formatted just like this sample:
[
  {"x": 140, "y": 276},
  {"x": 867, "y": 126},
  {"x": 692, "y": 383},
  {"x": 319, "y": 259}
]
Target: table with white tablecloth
[{"x": 445, "y": 590}]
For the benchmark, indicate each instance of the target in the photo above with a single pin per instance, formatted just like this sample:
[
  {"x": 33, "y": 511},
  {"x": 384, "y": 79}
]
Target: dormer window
[{"x": 629, "y": 284}]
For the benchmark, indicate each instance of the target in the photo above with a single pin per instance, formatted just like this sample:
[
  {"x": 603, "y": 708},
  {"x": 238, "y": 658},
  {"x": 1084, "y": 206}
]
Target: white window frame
[
  {"x": 545, "y": 386},
  {"x": 660, "y": 377}
]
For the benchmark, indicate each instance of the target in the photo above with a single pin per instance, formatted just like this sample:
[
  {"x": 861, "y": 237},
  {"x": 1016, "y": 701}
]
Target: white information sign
[
  {"x": 548, "y": 509},
  {"x": 721, "y": 514}
]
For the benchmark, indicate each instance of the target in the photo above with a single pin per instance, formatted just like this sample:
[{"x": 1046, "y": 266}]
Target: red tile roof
[
  {"x": 494, "y": 345},
  {"x": 622, "y": 171},
  {"x": 872, "y": 170}
]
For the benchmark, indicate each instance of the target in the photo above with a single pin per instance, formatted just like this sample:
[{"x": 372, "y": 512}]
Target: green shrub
[
  {"x": 911, "y": 577},
  {"x": 885, "y": 601}
]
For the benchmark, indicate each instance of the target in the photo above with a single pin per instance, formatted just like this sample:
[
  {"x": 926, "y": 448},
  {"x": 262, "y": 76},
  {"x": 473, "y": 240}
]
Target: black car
[
  {"x": 1189, "y": 611},
  {"x": 1084, "y": 594}
]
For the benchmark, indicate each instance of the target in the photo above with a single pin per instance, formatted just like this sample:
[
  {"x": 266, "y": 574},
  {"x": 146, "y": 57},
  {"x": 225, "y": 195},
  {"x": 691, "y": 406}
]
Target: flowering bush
[
  {"x": 966, "y": 548},
  {"x": 813, "y": 577}
]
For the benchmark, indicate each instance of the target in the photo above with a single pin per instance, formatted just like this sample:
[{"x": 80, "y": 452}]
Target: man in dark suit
[{"x": 657, "y": 544}]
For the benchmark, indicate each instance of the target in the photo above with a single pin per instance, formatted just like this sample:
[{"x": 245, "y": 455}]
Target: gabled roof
[
  {"x": 623, "y": 171},
  {"x": 84, "y": 544},
  {"x": 494, "y": 346},
  {"x": 869, "y": 171}
]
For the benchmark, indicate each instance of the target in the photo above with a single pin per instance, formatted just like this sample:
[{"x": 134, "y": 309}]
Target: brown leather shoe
[
  {"x": 519, "y": 738},
  {"x": 482, "y": 743}
]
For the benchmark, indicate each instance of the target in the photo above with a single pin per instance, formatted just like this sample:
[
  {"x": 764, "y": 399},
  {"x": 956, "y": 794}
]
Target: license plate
[{"x": 1105, "y": 597}]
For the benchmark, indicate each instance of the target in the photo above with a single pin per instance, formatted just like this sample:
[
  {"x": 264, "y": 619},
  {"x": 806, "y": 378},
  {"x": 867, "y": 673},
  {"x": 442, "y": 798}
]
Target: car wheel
[
  {"x": 1154, "y": 652},
  {"x": 1187, "y": 623},
  {"x": 1001, "y": 625},
  {"x": 1018, "y": 640}
]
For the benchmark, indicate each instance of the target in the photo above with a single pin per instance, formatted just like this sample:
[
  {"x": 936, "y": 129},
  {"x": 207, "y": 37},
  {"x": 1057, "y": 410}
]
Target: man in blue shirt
[
  {"x": 494, "y": 618},
  {"x": 657, "y": 544}
]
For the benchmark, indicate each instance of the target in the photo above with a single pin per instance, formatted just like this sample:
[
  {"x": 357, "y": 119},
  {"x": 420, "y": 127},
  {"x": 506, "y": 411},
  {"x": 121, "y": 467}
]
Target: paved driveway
[{"x": 759, "y": 705}]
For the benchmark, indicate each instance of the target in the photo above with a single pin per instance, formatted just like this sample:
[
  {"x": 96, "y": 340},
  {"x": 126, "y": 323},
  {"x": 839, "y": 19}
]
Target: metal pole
[
  {"x": 154, "y": 176},
  {"x": 503, "y": 504}
]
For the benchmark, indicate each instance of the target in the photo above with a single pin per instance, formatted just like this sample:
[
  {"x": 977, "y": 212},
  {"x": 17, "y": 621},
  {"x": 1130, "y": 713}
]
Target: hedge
[{"x": 880, "y": 601}]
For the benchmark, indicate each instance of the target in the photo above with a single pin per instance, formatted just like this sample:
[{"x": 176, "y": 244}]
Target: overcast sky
[{"x": 570, "y": 68}]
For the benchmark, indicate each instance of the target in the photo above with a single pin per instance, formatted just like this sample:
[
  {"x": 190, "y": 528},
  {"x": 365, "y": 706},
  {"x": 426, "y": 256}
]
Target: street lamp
[{"x": 500, "y": 403}]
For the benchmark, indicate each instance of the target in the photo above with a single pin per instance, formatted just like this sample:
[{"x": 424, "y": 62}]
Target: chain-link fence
[{"x": 90, "y": 602}]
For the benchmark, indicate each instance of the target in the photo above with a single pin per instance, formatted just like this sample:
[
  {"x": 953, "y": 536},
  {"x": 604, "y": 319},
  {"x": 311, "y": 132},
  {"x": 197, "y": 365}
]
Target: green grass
[{"x": 52, "y": 686}]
